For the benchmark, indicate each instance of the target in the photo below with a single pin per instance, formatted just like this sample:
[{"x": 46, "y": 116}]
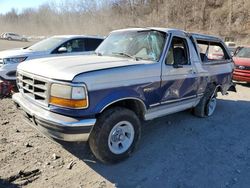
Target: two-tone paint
[{"x": 156, "y": 87}]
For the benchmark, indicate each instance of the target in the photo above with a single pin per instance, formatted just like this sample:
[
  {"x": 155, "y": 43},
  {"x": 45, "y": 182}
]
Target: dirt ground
[{"x": 179, "y": 150}]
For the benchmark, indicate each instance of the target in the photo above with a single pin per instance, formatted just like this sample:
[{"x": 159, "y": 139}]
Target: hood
[
  {"x": 67, "y": 67},
  {"x": 241, "y": 61},
  {"x": 20, "y": 52}
]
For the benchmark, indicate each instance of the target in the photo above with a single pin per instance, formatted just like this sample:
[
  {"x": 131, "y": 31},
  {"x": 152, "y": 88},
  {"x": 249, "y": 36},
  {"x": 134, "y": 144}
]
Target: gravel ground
[{"x": 178, "y": 150}]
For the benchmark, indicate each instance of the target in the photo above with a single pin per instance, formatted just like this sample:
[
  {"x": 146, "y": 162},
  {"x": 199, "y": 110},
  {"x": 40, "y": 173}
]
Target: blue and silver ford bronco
[{"x": 135, "y": 75}]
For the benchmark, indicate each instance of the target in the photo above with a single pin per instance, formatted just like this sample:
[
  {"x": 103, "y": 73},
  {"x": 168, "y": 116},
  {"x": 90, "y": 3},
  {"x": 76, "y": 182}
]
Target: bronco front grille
[{"x": 33, "y": 87}]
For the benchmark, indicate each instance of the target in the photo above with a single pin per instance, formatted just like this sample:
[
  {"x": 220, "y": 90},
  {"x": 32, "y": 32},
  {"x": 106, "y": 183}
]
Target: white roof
[{"x": 165, "y": 30}]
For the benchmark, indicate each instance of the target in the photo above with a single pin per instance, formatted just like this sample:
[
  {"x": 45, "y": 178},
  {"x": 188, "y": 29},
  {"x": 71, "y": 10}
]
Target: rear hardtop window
[{"x": 211, "y": 51}]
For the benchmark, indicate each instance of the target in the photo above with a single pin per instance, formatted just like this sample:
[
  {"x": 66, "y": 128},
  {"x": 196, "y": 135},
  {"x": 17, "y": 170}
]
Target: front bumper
[
  {"x": 241, "y": 75},
  {"x": 241, "y": 78},
  {"x": 54, "y": 125}
]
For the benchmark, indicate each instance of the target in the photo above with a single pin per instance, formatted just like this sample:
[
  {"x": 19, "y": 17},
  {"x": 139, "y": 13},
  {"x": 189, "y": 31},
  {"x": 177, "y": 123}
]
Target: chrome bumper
[{"x": 54, "y": 125}]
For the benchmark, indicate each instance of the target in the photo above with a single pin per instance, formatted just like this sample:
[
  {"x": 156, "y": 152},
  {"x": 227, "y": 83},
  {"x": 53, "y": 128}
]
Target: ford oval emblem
[{"x": 241, "y": 67}]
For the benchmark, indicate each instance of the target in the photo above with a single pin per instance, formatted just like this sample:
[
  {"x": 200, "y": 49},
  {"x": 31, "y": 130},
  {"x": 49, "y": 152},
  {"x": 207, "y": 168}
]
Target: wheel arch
[
  {"x": 135, "y": 104},
  {"x": 216, "y": 88}
]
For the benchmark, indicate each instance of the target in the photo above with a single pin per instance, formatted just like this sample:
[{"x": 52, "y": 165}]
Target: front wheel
[{"x": 115, "y": 135}]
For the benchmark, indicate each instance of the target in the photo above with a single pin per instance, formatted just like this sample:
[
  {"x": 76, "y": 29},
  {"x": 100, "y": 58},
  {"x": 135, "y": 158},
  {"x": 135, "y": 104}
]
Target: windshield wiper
[
  {"x": 26, "y": 47},
  {"x": 126, "y": 55}
]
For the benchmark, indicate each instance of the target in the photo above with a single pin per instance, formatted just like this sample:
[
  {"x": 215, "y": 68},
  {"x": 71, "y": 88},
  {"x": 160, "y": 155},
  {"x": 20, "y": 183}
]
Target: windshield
[
  {"x": 147, "y": 45},
  {"x": 244, "y": 52},
  {"x": 47, "y": 44}
]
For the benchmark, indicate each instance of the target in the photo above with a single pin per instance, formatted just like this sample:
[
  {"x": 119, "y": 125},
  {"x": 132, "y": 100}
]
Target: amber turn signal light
[{"x": 70, "y": 103}]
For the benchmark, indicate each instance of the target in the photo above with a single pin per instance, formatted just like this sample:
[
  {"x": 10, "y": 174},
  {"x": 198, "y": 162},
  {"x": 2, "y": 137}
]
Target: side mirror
[{"x": 62, "y": 49}]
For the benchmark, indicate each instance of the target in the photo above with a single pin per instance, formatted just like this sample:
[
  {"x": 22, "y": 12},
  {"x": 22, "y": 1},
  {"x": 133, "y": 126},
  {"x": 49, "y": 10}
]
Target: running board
[{"x": 163, "y": 110}]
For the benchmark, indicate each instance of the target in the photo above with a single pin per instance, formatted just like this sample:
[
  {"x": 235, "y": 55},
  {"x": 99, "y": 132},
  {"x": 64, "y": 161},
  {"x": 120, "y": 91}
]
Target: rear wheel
[
  {"x": 9, "y": 38},
  {"x": 207, "y": 104},
  {"x": 211, "y": 106},
  {"x": 115, "y": 135}
]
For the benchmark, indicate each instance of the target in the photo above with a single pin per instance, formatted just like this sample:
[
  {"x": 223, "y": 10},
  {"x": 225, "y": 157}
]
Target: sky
[{"x": 7, "y": 5}]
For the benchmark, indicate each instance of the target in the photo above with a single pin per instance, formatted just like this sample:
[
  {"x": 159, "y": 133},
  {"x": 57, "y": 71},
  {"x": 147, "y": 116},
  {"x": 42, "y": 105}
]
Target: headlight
[
  {"x": 14, "y": 60},
  {"x": 68, "y": 96}
]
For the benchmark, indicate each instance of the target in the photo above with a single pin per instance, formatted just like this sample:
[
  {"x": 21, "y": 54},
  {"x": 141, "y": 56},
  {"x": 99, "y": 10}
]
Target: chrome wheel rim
[
  {"x": 121, "y": 137},
  {"x": 211, "y": 106}
]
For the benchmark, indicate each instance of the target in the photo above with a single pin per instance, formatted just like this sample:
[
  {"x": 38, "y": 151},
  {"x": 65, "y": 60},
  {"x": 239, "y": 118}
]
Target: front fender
[
  {"x": 100, "y": 99},
  {"x": 119, "y": 95}
]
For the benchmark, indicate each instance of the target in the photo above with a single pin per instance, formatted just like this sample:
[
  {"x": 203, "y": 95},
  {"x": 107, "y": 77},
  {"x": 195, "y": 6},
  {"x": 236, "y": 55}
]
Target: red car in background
[{"x": 242, "y": 64}]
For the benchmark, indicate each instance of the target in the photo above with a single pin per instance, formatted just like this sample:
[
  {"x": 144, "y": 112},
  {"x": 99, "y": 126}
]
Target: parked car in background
[
  {"x": 230, "y": 44},
  {"x": 54, "y": 46},
  {"x": 232, "y": 50},
  {"x": 242, "y": 64},
  {"x": 136, "y": 74},
  {"x": 231, "y": 47},
  {"x": 1, "y": 36},
  {"x": 215, "y": 52},
  {"x": 14, "y": 36}
]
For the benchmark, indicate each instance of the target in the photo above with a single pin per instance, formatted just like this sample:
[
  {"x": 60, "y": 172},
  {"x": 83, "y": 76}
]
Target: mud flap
[
  {"x": 224, "y": 89},
  {"x": 232, "y": 88}
]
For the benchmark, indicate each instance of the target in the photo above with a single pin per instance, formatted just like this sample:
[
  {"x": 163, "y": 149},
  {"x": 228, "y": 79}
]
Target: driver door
[{"x": 179, "y": 82}]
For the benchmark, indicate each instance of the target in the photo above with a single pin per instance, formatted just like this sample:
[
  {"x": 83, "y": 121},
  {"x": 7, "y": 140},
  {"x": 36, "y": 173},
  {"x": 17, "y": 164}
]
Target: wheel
[
  {"x": 207, "y": 104},
  {"x": 9, "y": 38},
  {"x": 211, "y": 106},
  {"x": 115, "y": 135}
]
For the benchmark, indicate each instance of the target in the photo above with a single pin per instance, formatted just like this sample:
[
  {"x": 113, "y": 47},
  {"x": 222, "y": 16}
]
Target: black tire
[
  {"x": 99, "y": 137},
  {"x": 202, "y": 109},
  {"x": 9, "y": 38}
]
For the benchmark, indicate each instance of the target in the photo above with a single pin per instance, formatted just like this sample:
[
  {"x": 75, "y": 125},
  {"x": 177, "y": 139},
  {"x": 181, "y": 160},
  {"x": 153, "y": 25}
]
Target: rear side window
[
  {"x": 211, "y": 51},
  {"x": 92, "y": 44}
]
